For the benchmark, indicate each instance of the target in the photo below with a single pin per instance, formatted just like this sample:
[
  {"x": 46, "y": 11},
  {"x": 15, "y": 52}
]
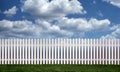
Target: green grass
[{"x": 59, "y": 68}]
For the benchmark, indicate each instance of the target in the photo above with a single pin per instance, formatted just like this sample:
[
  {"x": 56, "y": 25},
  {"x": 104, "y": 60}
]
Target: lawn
[{"x": 59, "y": 68}]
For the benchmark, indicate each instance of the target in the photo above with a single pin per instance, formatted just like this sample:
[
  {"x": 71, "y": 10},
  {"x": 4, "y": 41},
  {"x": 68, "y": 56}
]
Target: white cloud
[
  {"x": 99, "y": 25},
  {"x": 115, "y": 32},
  {"x": 64, "y": 28},
  {"x": 18, "y": 28},
  {"x": 44, "y": 12},
  {"x": 50, "y": 30},
  {"x": 46, "y": 9},
  {"x": 114, "y": 2},
  {"x": 11, "y": 11},
  {"x": 83, "y": 25},
  {"x": 28, "y": 29}
]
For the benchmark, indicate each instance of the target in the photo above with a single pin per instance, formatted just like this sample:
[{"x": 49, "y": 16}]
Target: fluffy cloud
[
  {"x": 83, "y": 25},
  {"x": 50, "y": 30},
  {"x": 11, "y": 11},
  {"x": 46, "y": 9},
  {"x": 63, "y": 28},
  {"x": 17, "y": 28},
  {"x": 114, "y": 2},
  {"x": 49, "y": 20},
  {"x": 28, "y": 29},
  {"x": 115, "y": 32}
]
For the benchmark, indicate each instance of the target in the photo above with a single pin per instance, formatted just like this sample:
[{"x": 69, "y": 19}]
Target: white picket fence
[{"x": 60, "y": 51}]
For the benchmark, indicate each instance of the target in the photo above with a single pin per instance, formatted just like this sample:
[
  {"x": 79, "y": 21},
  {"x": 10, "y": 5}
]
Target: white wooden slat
[
  {"x": 70, "y": 51},
  {"x": 96, "y": 42},
  {"x": 15, "y": 48},
  {"x": 49, "y": 51},
  {"x": 5, "y": 61},
  {"x": 34, "y": 49},
  {"x": 112, "y": 50},
  {"x": 8, "y": 43},
  {"x": 84, "y": 47},
  {"x": 100, "y": 47},
  {"x": 26, "y": 50},
  {"x": 64, "y": 50},
  {"x": 52, "y": 51},
  {"x": 67, "y": 52},
  {"x": 94, "y": 48},
  {"x": 31, "y": 52},
  {"x": 76, "y": 50},
  {"x": 41, "y": 53},
  {"x": 88, "y": 51},
  {"x": 109, "y": 50},
  {"x": 6, "y": 51},
  {"x": 106, "y": 50},
  {"x": 0, "y": 52},
  {"x": 55, "y": 51},
  {"x": 46, "y": 47},
  {"x": 73, "y": 50},
  {"x": 103, "y": 54},
  {"x": 91, "y": 51},
  {"x": 43, "y": 46},
  {"x": 118, "y": 51},
  {"x": 22, "y": 51},
  {"x": 29, "y": 47},
  {"x": 58, "y": 42},
  {"x": 38, "y": 51},
  {"x": 79, "y": 49},
  {"x": 19, "y": 51},
  {"x": 61, "y": 48},
  {"x": 11, "y": 51},
  {"x": 115, "y": 52}
]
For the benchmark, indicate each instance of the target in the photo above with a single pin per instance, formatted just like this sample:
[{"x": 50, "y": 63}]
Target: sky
[{"x": 59, "y": 18}]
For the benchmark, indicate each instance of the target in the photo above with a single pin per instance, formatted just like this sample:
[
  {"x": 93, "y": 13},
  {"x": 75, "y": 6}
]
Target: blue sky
[{"x": 60, "y": 19}]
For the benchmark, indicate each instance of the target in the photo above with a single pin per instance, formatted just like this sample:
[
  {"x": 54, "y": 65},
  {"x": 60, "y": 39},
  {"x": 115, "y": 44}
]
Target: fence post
[
  {"x": 97, "y": 50},
  {"x": 109, "y": 50},
  {"x": 49, "y": 50},
  {"x": 58, "y": 45},
  {"x": 88, "y": 51},
  {"x": 106, "y": 50},
  {"x": 91, "y": 51},
  {"x": 29, "y": 47},
  {"x": 67, "y": 52},
  {"x": 70, "y": 50},
  {"x": 5, "y": 43},
  {"x": 118, "y": 46},
  {"x": 0, "y": 51},
  {"x": 112, "y": 50},
  {"x": 118, "y": 51},
  {"x": 55, "y": 51},
  {"x": 115, "y": 53},
  {"x": 76, "y": 50}
]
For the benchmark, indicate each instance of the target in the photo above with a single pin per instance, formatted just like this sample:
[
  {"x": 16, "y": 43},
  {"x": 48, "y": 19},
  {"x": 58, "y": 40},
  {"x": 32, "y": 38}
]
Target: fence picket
[{"x": 60, "y": 51}]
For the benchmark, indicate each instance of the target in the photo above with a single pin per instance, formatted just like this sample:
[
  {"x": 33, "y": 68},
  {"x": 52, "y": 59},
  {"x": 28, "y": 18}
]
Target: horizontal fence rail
[{"x": 60, "y": 51}]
